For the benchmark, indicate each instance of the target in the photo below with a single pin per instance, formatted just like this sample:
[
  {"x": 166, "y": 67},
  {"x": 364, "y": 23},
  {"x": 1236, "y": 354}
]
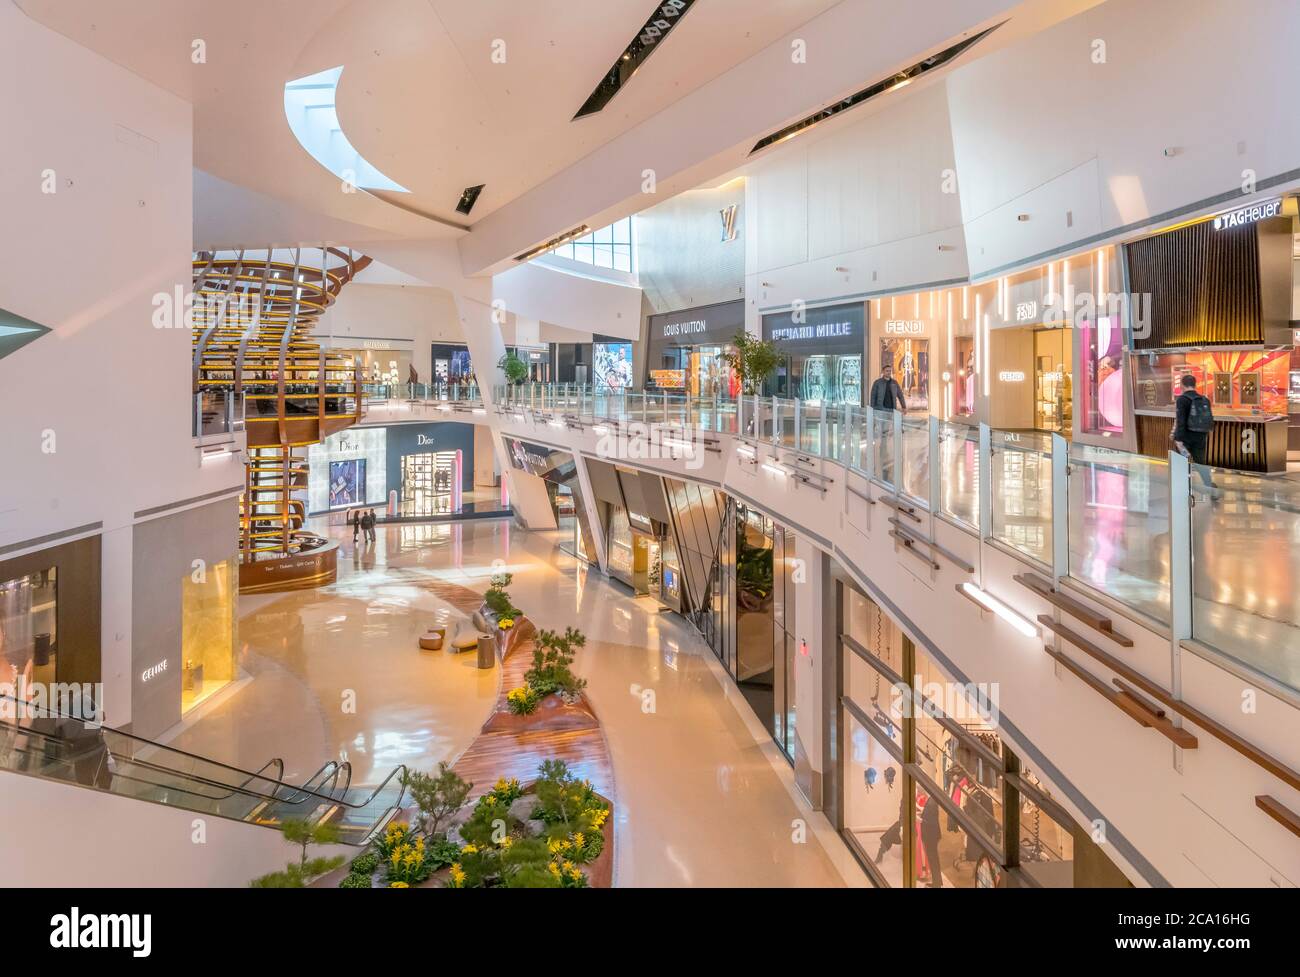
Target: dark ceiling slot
[
  {"x": 666, "y": 16},
  {"x": 468, "y": 198},
  {"x": 896, "y": 80}
]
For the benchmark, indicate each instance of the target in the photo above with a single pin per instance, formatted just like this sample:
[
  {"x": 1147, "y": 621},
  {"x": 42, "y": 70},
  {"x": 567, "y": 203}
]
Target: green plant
[
  {"x": 526, "y": 864},
  {"x": 752, "y": 360},
  {"x": 443, "y": 853},
  {"x": 438, "y": 796},
  {"x": 297, "y": 876},
  {"x": 365, "y": 864},
  {"x": 409, "y": 862},
  {"x": 356, "y": 880},
  {"x": 515, "y": 368},
  {"x": 298, "y": 831},
  {"x": 497, "y": 598},
  {"x": 489, "y": 823},
  {"x": 552, "y": 660}
]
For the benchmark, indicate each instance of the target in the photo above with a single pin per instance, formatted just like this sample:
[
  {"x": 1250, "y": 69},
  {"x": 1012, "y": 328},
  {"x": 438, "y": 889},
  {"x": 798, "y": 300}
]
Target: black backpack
[{"x": 1200, "y": 415}]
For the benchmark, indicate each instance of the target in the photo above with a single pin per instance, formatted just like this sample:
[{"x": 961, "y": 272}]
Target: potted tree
[{"x": 752, "y": 360}]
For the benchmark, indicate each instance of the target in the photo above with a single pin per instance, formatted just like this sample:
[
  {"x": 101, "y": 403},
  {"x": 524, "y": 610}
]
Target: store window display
[
  {"x": 876, "y": 800},
  {"x": 28, "y": 632},
  {"x": 207, "y": 632}
]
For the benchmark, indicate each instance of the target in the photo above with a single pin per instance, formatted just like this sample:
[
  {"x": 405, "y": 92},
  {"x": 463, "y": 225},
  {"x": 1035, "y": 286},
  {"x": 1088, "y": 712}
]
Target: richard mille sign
[{"x": 1248, "y": 215}]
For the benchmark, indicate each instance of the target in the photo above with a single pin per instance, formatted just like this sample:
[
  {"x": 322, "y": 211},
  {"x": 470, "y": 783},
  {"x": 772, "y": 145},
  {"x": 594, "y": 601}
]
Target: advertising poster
[
  {"x": 611, "y": 365},
  {"x": 347, "y": 482}
]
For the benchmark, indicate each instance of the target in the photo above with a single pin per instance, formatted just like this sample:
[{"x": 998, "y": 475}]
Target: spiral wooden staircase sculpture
[{"x": 252, "y": 321}]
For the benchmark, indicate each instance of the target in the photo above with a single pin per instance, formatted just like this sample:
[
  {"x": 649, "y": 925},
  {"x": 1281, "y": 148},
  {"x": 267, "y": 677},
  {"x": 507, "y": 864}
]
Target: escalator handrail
[{"x": 399, "y": 769}]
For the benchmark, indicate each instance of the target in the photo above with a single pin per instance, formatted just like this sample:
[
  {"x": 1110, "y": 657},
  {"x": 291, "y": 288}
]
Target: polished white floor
[{"x": 703, "y": 797}]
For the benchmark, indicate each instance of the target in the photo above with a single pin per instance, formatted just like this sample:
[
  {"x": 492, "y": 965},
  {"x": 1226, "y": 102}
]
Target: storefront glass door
[{"x": 1054, "y": 380}]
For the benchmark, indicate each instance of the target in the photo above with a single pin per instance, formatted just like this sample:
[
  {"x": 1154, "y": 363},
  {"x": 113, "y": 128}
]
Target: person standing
[
  {"x": 1193, "y": 422},
  {"x": 373, "y": 520},
  {"x": 354, "y": 517}
]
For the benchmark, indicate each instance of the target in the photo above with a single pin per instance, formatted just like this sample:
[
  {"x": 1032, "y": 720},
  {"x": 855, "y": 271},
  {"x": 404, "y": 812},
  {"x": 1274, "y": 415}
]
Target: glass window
[
  {"x": 208, "y": 633},
  {"x": 875, "y": 800},
  {"x": 873, "y": 629},
  {"x": 1046, "y": 847},
  {"x": 945, "y": 855},
  {"x": 873, "y": 694},
  {"x": 28, "y": 632},
  {"x": 606, "y": 247}
]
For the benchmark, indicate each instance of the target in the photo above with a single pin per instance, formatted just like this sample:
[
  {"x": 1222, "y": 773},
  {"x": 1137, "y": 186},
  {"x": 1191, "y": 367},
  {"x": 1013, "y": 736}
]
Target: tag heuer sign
[{"x": 1248, "y": 215}]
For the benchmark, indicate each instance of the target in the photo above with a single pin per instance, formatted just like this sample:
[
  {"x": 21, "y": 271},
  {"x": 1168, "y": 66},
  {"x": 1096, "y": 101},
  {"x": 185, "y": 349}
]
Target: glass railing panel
[
  {"x": 882, "y": 444},
  {"x": 916, "y": 459},
  {"x": 959, "y": 473},
  {"x": 1246, "y": 569},
  {"x": 1119, "y": 526},
  {"x": 1021, "y": 479}
]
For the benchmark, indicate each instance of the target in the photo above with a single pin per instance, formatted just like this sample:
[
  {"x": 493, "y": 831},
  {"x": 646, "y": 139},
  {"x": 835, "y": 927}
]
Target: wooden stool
[
  {"x": 487, "y": 652},
  {"x": 433, "y": 638}
]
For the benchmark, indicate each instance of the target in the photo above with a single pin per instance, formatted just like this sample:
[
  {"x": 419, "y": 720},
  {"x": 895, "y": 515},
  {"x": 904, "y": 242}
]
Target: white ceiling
[{"x": 420, "y": 97}]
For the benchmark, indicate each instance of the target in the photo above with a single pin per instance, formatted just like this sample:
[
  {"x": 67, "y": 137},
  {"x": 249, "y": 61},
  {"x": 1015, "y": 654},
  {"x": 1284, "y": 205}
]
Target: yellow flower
[
  {"x": 553, "y": 846},
  {"x": 457, "y": 875},
  {"x": 507, "y": 841},
  {"x": 553, "y": 868},
  {"x": 398, "y": 885},
  {"x": 469, "y": 850},
  {"x": 577, "y": 840}
]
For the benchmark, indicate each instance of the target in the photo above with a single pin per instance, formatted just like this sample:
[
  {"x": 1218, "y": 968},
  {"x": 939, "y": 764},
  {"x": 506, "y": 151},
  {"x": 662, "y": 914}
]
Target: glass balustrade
[
  {"x": 915, "y": 458},
  {"x": 1245, "y": 531},
  {"x": 1246, "y": 570},
  {"x": 1021, "y": 483},
  {"x": 959, "y": 473},
  {"x": 1119, "y": 526}
]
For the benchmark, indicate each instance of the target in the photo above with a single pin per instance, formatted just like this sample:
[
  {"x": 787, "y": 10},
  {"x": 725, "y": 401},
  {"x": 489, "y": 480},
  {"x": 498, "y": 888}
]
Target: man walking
[
  {"x": 371, "y": 528},
  {"x": 886, "y": 394},
  {"x": 1193, "y": 422}
]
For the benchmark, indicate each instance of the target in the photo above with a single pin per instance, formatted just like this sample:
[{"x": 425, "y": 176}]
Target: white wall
[
  {"x": 409, "y": 317},
  {"x": 866, "y": 196},
  {"x": 109, "y": 392},
  {"x": 1040, "y": 129},
  {"x": 588, "y": 305},
  {"x": 681, "y": 260}
]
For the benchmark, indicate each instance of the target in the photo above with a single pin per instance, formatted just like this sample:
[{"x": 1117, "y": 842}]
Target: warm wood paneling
[
  {"x": 1226, "y": 448},
  {"x": 1204, "y": 286}
]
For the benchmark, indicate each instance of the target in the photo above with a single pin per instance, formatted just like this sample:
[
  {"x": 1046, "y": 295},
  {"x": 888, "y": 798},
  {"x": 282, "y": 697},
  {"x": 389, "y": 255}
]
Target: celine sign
[
  {"x": 1248, "y": 215},
  {"x": 153, "y": 671},
  {"x": 904, "y": 327}
]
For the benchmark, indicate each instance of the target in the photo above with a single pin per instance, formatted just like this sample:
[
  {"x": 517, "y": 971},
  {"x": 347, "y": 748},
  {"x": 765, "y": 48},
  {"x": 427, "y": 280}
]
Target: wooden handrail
[
  {"x": 1279, "y": 812},
  {"x": 1132, "y": 706},
  {"x": 1076, "y": 609},
  {"x": 934, "y": 547},
  {"x": 907, "y": 544},
  {"x": 1272, "y": 764}
]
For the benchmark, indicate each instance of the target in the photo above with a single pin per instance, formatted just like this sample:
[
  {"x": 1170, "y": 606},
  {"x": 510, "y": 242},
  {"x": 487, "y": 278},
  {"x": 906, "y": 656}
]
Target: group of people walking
[{"x": 363, "y": 522}]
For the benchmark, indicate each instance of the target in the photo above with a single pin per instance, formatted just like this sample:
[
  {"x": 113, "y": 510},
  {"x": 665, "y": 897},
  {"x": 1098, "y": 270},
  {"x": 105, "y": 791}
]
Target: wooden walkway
[{"x": 571, "y": 734}]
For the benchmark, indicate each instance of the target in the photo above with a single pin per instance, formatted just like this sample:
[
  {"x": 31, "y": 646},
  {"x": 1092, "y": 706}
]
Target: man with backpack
[{"x": 1193, "y": 422}]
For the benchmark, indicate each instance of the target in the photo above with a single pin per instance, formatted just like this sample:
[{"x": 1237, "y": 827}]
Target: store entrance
[
  {"x": 1054, "y": 380},
  {"x": 428, "y": 481}
]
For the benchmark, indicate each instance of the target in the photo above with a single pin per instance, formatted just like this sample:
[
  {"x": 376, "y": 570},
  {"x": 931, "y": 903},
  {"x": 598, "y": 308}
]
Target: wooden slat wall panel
[
  {"x": 1225, "y": 450},
  {"x": 1204, "y": 286}
]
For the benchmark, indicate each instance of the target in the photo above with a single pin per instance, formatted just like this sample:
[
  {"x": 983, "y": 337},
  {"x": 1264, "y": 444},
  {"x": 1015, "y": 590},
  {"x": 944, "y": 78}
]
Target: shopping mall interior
[{"x": 861, "y": 451}]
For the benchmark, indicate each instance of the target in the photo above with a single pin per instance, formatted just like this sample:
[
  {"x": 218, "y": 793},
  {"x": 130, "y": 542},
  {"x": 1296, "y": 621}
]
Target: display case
[{"x": 1248, "y": 387}]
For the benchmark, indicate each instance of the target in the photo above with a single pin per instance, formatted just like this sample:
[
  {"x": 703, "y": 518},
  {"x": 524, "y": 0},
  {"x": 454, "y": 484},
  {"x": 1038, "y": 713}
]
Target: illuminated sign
[
  {"x": 823, "y": 330},
  {"x": 1026, "y": 311},
  {"x": 668, "y": 379},
  {"x": 690, "y": 327},
  {"x": 153, "y": 671},
  {"x": 904, "y": 327},
  {"x": 1248, "y": 215},
  {"x": 1012, "y": 376}
]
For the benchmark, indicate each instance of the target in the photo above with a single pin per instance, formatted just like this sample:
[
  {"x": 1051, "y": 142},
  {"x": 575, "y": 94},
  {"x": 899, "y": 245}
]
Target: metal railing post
[
  {"x": 776, "y": 420},
  {"x": 1060, "y": 509},
  {"x": 798, "y": 424},
  {"x": 1181, "y": 620},
  {"x": 899, "y": 460},
  {"x": 986, "y": 482},
  {"x": 936, "y": 471},
  {"x": 869, "y": 443}
]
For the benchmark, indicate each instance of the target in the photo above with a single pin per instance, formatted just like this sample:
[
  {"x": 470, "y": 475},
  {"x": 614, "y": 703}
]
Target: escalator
[{"x": 59, "y": 746}]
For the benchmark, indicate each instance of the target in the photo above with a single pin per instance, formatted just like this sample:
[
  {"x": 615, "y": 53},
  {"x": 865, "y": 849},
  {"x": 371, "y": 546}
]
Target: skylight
[{"x": 309, "y": 105}]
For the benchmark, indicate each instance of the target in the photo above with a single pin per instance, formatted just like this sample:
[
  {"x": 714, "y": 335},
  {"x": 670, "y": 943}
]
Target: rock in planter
[
  {"x": 522, "y": 809},
  {"x": 482, "y": 623}
]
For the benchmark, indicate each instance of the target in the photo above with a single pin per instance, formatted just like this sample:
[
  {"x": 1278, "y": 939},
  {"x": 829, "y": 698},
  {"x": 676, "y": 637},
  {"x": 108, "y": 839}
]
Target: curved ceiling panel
[{"x": 310, "y": 106}]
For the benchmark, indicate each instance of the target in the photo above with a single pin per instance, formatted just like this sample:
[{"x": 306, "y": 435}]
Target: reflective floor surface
[{"x": 336, "y": 673}]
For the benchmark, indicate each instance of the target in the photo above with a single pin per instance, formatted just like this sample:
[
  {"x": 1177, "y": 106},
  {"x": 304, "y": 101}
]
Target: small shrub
[
  {"x": 355, "y": 880},
  {"x": 438, "y": 796},
  {"x": 552, "y": 661},
  {"x": 365, "y": 864}
]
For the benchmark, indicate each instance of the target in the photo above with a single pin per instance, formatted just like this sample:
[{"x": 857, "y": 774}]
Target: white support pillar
[
  {"x": 1180, "y": 576},
  {"x": 1060, "y": 508}
]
